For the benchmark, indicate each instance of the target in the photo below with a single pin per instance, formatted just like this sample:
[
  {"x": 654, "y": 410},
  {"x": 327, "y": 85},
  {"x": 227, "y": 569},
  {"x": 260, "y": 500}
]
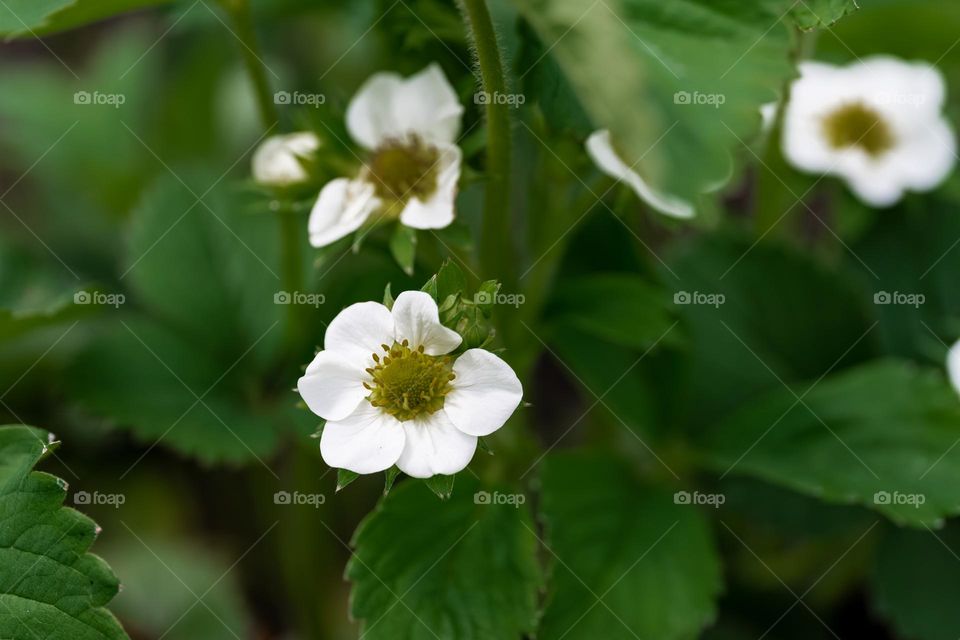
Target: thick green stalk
[
  {"x": 239, "y": 11},
  {"x": 497, "y": 257}
]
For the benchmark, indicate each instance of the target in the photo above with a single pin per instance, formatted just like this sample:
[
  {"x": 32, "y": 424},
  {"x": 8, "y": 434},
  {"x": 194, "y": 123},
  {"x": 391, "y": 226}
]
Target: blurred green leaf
[
  {"x": 50, "y": 586},
  {"x": 28, "y": 18},
  {"x": 454, "y": 569},
  {"x": 148, "y": 378},
  {"x": 881, "y": 435},
  {"x": 618, "y": 307},
  {"x": 209, "y": 268},
  {"x": 916, "y": 583},
  {"x": 678, "y": 85},
  {"x": 403, "y": 247},
  {"x": 814, "y": 14},
  {"x": 164, "y": 578},
  {"x": 627, "y": 561},
  {"x": 756, "y": 314}
]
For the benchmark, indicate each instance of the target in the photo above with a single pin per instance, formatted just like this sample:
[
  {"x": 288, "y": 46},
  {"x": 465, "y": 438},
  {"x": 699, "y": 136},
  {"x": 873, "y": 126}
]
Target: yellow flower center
[
  {"x": 857, "y": 125},
  {"x": 403, "y": 169},
  {"x": 407, "y": 382}
]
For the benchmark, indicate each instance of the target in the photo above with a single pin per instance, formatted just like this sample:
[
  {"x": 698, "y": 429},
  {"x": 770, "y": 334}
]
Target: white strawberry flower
[
  {"x": 877, "y": 124},
  {"x": 600, "y": 148},
  {"x": 278, "y": 161},
  {"x": 408, "y": 127},
  {"x": 391, "y": 394}
]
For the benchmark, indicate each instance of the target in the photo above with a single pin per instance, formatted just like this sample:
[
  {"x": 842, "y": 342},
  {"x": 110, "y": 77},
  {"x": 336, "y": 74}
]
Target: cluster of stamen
[
  {"x": 857, "y": 125},
  {"x": 402, "y": 169},
  {"x": 407, "y": 383}
]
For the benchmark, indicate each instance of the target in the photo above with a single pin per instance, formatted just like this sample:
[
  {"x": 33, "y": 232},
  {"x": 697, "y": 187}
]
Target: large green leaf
[
  {"x": 782, "y": 316},
  {"x": 916, "y": 583},
  {"x": 627, "y": 561},
  {"x": 50, "y": 587},
  {"x": 464, "y": 568},
  {"x": 882, "y": 435},
  {"x": 677, "y": 83}
]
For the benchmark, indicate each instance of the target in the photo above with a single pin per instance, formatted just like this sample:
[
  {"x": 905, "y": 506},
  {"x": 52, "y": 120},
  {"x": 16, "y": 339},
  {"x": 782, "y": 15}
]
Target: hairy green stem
[{"x": 497, "y": 257}]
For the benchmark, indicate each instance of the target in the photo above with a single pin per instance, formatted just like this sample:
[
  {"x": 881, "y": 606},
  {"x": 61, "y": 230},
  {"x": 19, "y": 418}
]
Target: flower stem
[
  {"x": 496, "y": 254},
  {"x": 239, "y": 12}
]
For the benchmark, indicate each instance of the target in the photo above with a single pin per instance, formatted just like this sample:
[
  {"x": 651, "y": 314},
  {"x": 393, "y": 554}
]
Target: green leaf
[
  {"x": 50, "y": 587},
  {"x": 442, "y": 486},
  {"x": 881, "y": 435},
  {"x": 678, "y": 85},
  {"x": 650, "y": 562},
  {"x": 149, "y": 379},
  {"x": 27, "y": 18},
  {"x": 403, "y": 247},
  {"x": 453, "y": 569},
  {"x": 917, "y": 585},
  {"x": 345, "y": 477},
  {"x": 448, "y": 281},
  {"x": 164, "y": 575},
  {"x": 620, "y": 308},
  {"x": 389, "y": 478},
  {"x": 209, "y": 269},
  {"x": 755, "y": 314},
  {"x": 814, "y": 14}
]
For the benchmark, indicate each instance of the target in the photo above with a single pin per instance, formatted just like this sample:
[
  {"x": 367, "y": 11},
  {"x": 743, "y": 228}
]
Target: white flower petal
[
  {"x": 417, "y": 319},
  {"x": 435, "y": 446},
  {"x": 276, "y": 161},
  {"x": 343, "y": 205},
  {"x": 332, "y": 386},
  {"x": 359, "y": 331},
  {"x": 367, "y": 441},
  {"x": 953, "y": 365},
  {"x": 438, "y": 211},
  {"x": 485, "y": 393},
  {"x": 388, "y": 106},
  {"x": 600, "y": 149}
]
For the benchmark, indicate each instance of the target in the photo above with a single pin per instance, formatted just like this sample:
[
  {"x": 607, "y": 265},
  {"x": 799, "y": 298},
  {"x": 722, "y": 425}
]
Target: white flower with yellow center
[
  {"x": 391, "y": 394},
  {"x": 877, "y": 124},
  {"x": 278, "y": 161},
  {"x": 600, "y": 148},
  {"x": 409, "y": 127}
]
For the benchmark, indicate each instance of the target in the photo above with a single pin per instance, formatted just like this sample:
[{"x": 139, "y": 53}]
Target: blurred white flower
[
  {"x": 953, "y": 365},
  {"x": 877, "y": 124},
  {"x": 392, "y": 395},
  {"x": 600, "y": 148},
  {"x": 278, "y": 161},
  {"x": 409, "y": 126}
]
